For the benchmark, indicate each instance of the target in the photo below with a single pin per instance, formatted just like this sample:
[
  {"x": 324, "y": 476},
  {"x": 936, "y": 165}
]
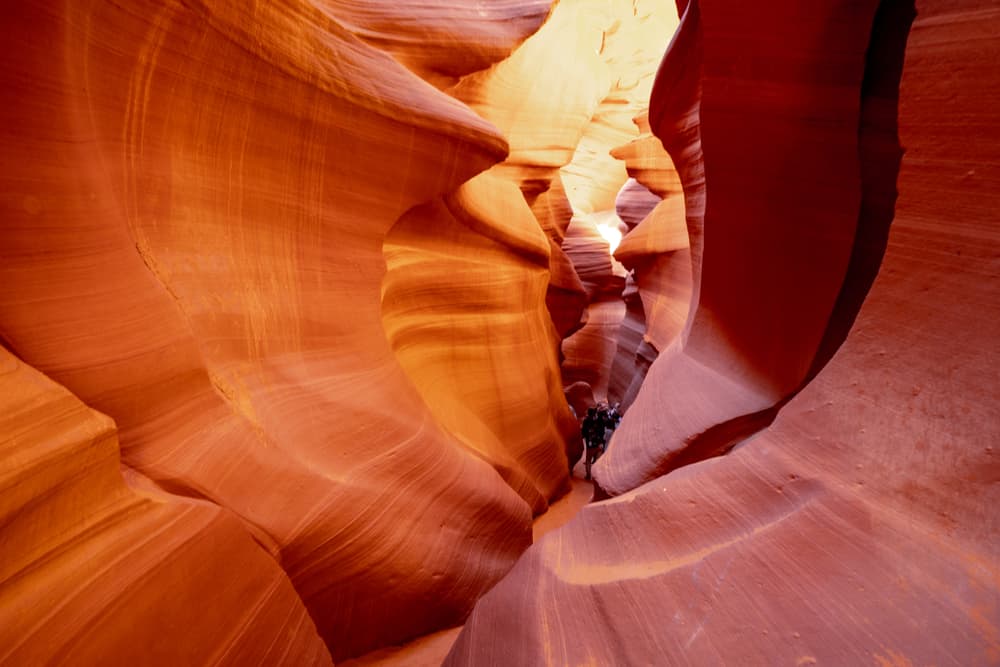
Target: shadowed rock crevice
[{"x": 880, "y": 157}]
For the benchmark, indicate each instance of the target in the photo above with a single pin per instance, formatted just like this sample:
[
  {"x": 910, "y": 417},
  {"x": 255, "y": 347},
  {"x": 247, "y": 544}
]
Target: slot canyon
[{"x": 302, "y": 303}]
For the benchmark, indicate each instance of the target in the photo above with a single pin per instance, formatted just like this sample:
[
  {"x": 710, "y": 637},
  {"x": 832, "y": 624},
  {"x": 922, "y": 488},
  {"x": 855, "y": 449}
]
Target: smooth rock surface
[
  {"x": 94, "y": 573},
  {"x": 196, "y": 197},
  {"x": 760, "y": 321}
]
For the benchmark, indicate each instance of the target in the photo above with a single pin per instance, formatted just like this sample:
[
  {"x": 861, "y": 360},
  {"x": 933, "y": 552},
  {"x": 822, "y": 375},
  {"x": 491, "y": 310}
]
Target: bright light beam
[{"x": 611, "y": 235}]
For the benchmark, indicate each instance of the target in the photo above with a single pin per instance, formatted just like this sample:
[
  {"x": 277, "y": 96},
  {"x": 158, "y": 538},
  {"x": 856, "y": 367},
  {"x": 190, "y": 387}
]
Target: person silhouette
[{"x": 593, "y": 437}]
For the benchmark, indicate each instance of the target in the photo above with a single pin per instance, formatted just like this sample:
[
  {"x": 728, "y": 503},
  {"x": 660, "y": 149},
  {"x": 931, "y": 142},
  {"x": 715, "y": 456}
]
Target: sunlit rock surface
[
  {"x": 86, "y": 561},
  {"x": 656, "y": 251},
  {"x": 589, "y": 352},
  {"x": 631, "y": 49},
  {"x": 439, "y": 40},
  {"x": 498, "y": 399},
  {"x": 859, "y": 527},
  {"x": 486, "y": 355}
]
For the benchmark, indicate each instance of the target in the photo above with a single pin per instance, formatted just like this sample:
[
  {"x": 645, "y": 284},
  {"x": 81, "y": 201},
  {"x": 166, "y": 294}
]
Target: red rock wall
[
  {"x": 759, "y": 323},
  {"x": 858, "y": 528},
  {"x": 301, "y": 254}
]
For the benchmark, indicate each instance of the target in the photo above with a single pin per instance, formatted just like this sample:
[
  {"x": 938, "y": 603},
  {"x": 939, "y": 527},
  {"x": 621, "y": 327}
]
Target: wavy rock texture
[
  {"x": 858, "y": 528},
  {"x": 441, "y": 42},
  {"x": 314, "y": 259},
  {"x": 657, "y": 253},
  {"x": 500, "y": 399},
  {"x": 626, "y": 368},
  {"x": 86, "y": 561},
  {"x": 759, "y": 324},
  {"x": 196, "y": 198},
  {"x": 566, "y": 296},
  {"x": 633, "y": 204},
  {"x": 632, "y": 47},
  {"x": 657, "y": 249},
  {"x": 589, "y": 352},
  {"x": 633, "y": 39},
  {"x": 485, "y": 356}
]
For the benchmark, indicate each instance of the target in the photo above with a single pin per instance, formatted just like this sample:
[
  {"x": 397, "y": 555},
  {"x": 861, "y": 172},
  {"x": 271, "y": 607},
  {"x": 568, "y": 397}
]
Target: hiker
[
  {"x": 616, "y": 416},
  {"x": 593, "y": 437},
  {"x": 611, "y": 420}
]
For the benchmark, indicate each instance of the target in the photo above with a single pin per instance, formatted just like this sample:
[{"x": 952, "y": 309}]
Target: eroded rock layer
[
  {"x": 630, "y": 48},
  {"x": 196, "y": 198},
  {"x": 500, "y": 399},
  {"x": 759, "y": 323},
  {"x": 859, "y": 527},
  {"x": 657, "y": 253},
  {"x": 86, "y": 561}
]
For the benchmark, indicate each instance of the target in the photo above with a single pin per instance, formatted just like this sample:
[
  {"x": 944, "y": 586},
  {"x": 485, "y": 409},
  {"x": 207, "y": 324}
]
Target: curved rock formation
[
  {"x": 634, "y": 202},
  {"x": 441, "y": 42},
  {"x": 590, "y": 351},
  {"x": 86, "y": 561},
  {"x": 631, "y": 47},
  {"x": 657, "y": 252},
  {"x": 197, "y": 197},
  {"x": 858, "y": 528},
  {"x": 657, "y": 249},
  {"x": 484, "y": 358},
  {"x": 759, "y": 324},
  {"x": 566, "y": 297},
  {"x": 499, "y": 399}
]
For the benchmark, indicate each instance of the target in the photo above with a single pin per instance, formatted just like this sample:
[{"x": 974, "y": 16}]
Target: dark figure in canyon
[
  {"x": 593, "y": 436},
  {"x": 614, "y": 415}
]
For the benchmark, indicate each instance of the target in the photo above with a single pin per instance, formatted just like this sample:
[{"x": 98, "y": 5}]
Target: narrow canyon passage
[{"x": 302, "y": 303}]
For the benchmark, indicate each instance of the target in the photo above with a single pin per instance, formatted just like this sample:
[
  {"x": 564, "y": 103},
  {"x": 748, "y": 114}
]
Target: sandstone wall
[{"x": 195, "y": 201}]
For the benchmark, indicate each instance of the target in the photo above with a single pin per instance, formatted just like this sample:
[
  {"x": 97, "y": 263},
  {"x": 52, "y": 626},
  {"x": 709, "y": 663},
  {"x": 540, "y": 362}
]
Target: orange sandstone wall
[
  {"x": 91, "y": 569},
  {"x": 466, "y": 300},
  {"x": 485, "y": 355},
  {"x": 859, "y": 527},
  {"x": 196, "y": 196},
  {"x": 657, "y": 253}
]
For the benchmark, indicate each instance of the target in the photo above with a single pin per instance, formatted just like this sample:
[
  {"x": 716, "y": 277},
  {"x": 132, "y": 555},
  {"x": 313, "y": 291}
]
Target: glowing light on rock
[{"x": 612, "y": 235}]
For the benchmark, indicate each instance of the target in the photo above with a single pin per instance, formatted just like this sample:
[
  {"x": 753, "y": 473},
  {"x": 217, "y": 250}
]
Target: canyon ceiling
[{"x": 299, "y": 301}]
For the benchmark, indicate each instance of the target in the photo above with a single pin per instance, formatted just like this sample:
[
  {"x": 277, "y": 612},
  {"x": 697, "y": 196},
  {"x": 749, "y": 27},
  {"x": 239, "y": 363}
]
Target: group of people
[{"x": 598, "y": 425}]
